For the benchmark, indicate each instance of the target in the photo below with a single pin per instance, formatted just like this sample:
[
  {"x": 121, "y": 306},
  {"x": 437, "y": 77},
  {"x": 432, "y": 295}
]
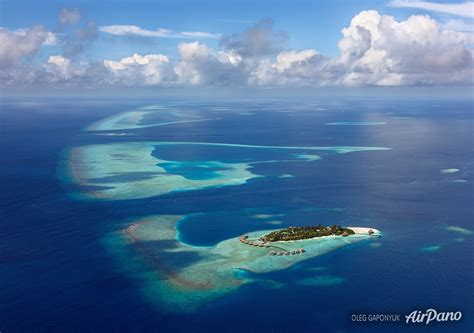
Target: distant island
[
  {"x": 274, "y": 240},
  {"x": 298, "y": 233}
]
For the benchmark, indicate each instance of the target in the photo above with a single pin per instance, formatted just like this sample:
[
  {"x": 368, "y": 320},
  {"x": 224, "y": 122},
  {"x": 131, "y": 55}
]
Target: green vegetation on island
[{"x": 297, "y": 233}]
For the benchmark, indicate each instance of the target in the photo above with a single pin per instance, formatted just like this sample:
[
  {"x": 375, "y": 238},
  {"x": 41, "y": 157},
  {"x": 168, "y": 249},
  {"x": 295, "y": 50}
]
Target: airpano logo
[
  {"x": 415, "y": 317},
  {"x": 431, "y": 315}
]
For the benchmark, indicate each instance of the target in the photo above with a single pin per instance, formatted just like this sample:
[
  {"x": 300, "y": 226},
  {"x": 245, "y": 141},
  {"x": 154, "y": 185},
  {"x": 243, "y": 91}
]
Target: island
[
  {"x": 179, "y": 277},
  {"x": 307, "y": 232},
  {"x": 277, "y": 240}
]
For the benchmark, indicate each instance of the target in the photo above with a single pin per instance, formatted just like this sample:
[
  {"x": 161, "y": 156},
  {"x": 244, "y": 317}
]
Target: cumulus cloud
[
  {"x": 375, "y": 50},
  {"x": 461, "y": 9},
  {"x": 136, "y": 70},
  {"x": 133, "y": 30},
  {"x": 15, "y": 46},
  {"x": 20, "y": 44},
  {"x": 59, "y": 68},
  {"x": 151, "y": 69},
  {"x": 71, "y": 36},
  {"x": 200, "y": 65},
  {"x": 295, "y": 68},
  {"x": 378, "y": 50},
  {"x": 50, "y": 38},
  {"x": 259, "y": 40}
]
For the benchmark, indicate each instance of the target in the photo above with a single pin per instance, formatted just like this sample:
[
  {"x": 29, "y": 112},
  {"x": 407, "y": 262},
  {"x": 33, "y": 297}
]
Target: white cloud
[
  {"x": 199, "y": 34},
  {"x": 59, "y": 67},
  {"x": 287, "y": 60},
  {"x": 72, "y": 42},
  {"x": 14, "y": 46},
  {"x": 194, "y": 57},
  {"x": 133, "y": 30},
  {"x": 375, "y": 50},
  {"x": 50, "y": 38},
  {"x": 465, "y": 9},
  {"x": 149, "y": 69},
  {"x": 199, "y": 65},
  {"x": 414, "y": 51},
  {"x": 378, "y": 50},
  {"x": 293, "y": 68}
]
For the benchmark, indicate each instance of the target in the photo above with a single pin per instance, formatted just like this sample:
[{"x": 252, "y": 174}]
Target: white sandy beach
[{"x": 364, "y": 230}]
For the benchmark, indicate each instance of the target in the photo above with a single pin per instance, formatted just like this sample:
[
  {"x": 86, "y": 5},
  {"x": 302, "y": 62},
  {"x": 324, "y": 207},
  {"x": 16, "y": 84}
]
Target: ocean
[{"x": 76, "y": 174}]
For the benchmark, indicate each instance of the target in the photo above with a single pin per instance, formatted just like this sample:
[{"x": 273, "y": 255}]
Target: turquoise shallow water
[
  {"x": 185, "y": 288},
  {"x": 137, "y": 169},
  {"x": 194, "y": 170}
]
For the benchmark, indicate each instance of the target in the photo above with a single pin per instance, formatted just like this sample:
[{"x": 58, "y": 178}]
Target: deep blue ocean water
[{"x": 57, "y": 275}]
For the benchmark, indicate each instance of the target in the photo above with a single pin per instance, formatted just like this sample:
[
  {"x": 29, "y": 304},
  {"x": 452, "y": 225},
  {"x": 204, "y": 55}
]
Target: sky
[{"x": 83, "y": 45}]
